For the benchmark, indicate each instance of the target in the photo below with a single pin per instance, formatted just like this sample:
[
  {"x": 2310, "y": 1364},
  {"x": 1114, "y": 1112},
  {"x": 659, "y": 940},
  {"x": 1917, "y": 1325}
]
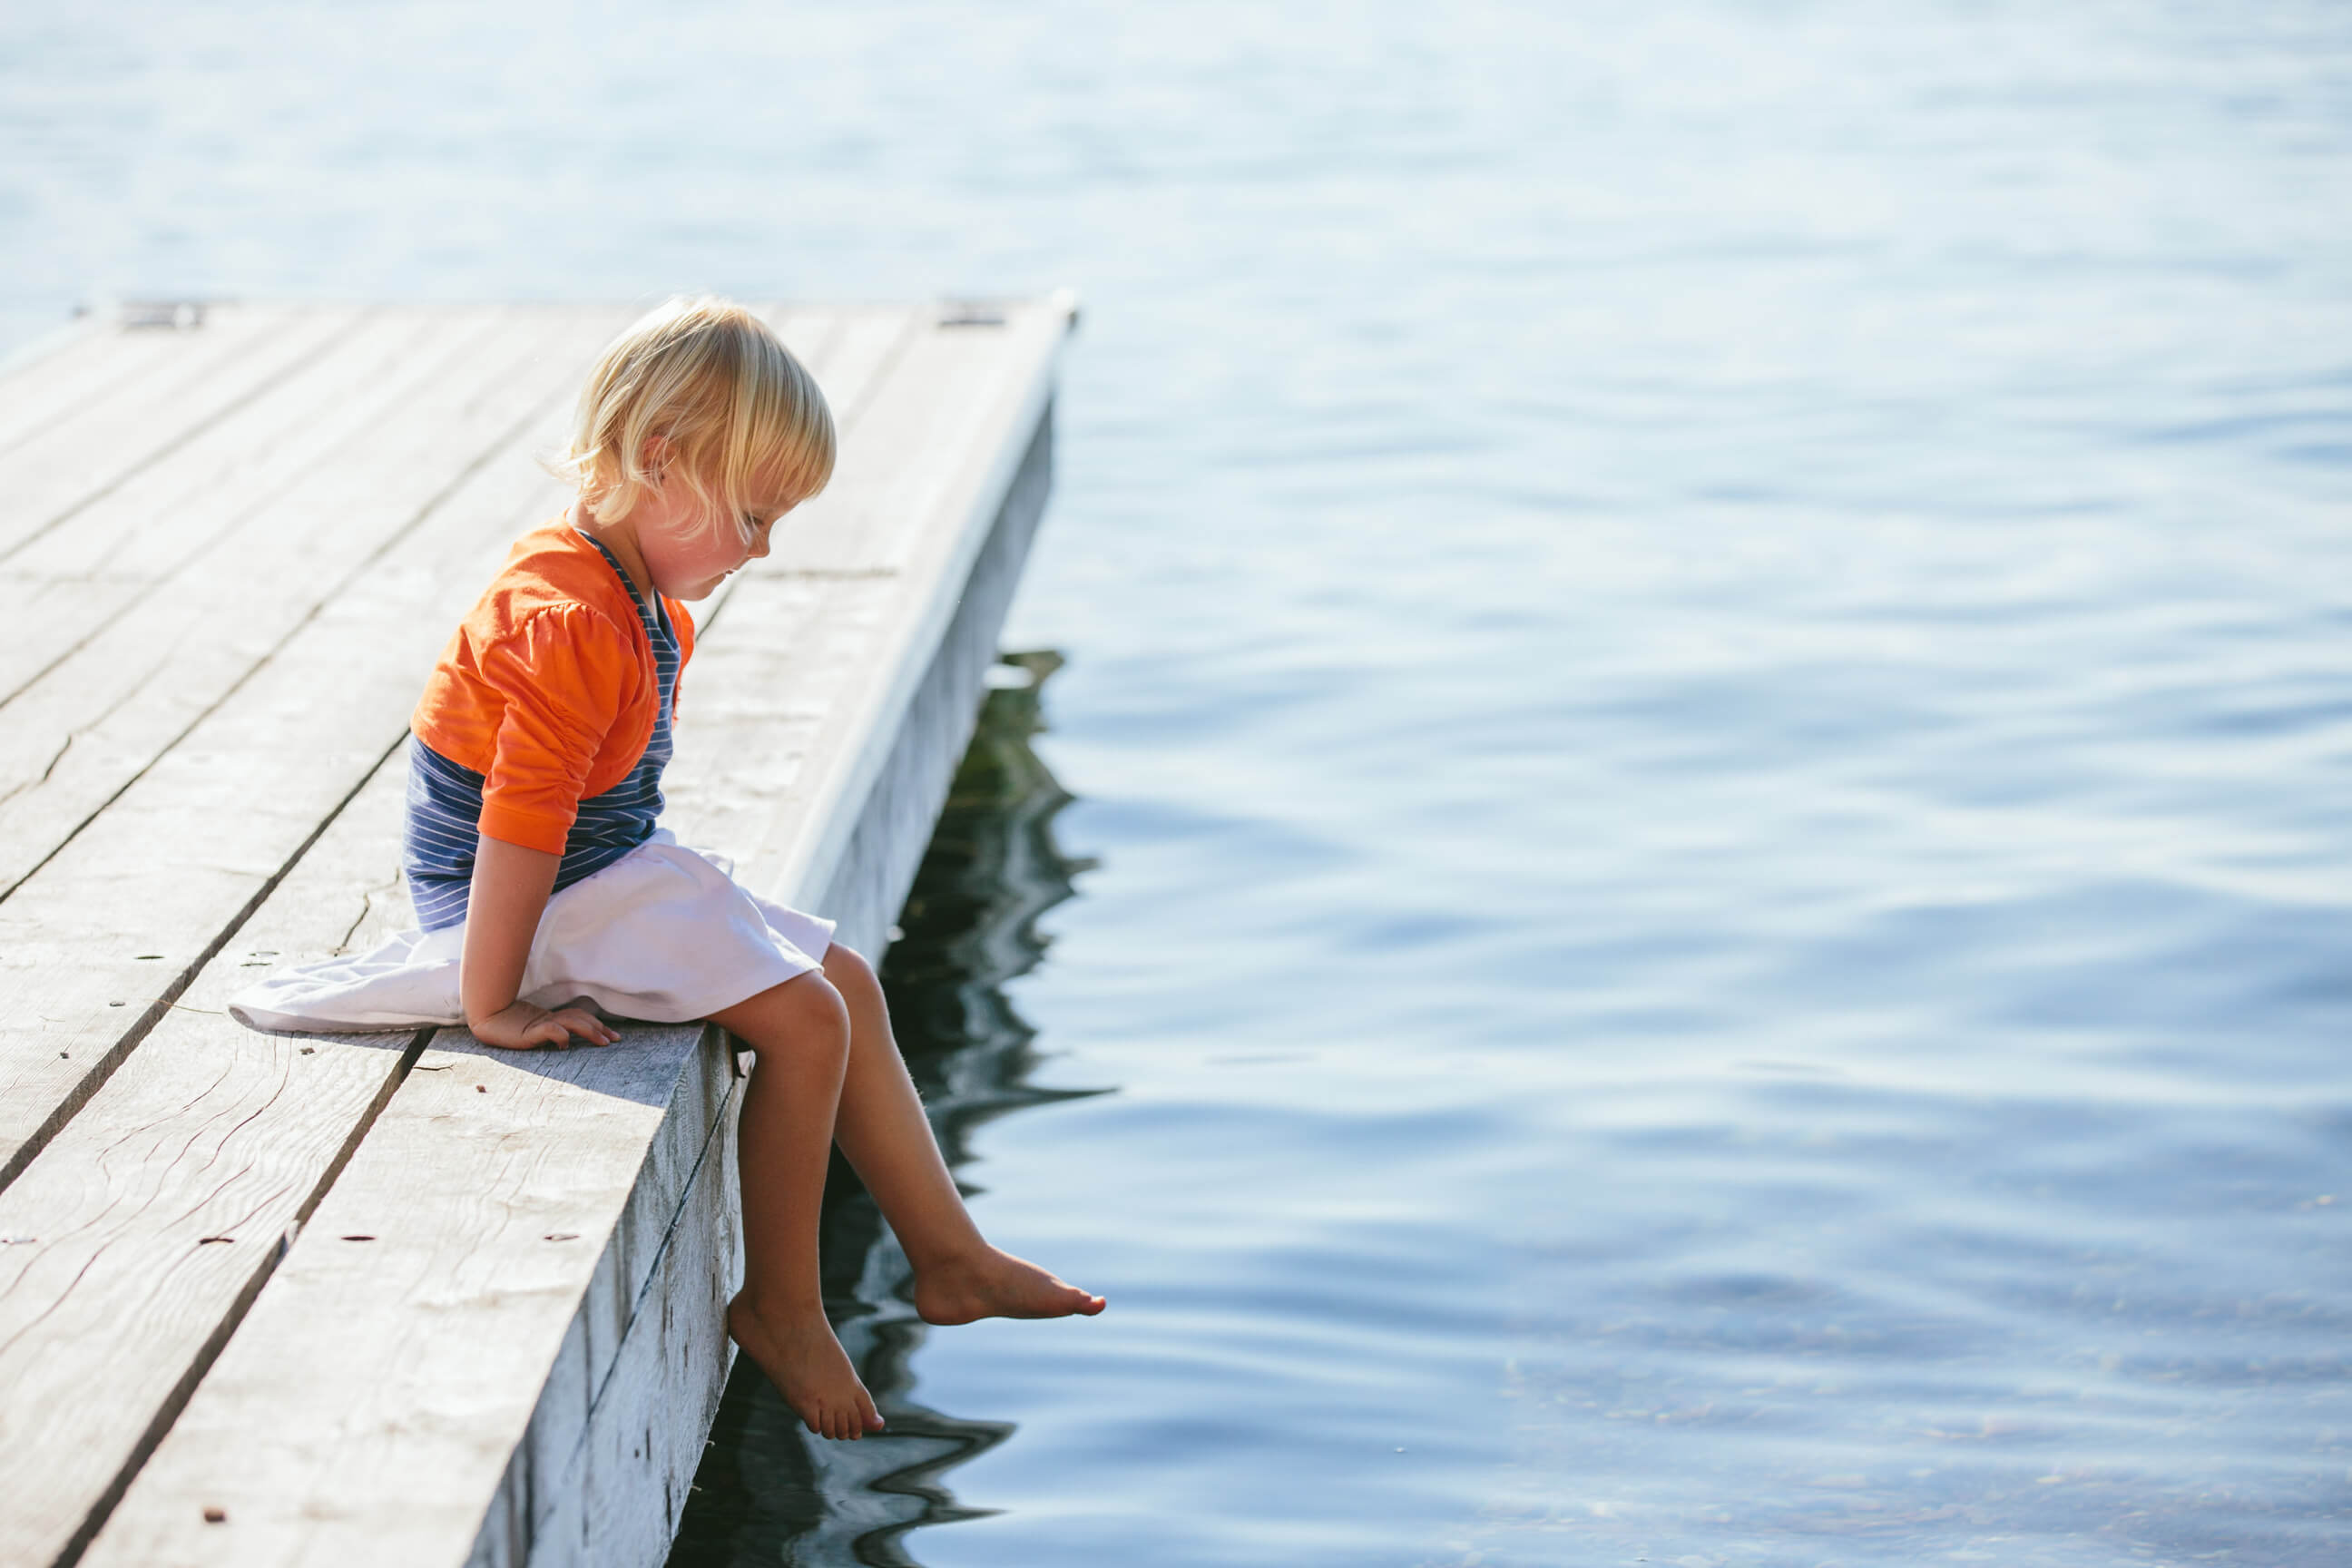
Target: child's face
[{"x": 687, "y": 552}]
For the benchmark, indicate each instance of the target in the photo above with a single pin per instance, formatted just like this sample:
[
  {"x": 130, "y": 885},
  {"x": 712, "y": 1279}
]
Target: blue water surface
[{"x": 1706, "y": 675}]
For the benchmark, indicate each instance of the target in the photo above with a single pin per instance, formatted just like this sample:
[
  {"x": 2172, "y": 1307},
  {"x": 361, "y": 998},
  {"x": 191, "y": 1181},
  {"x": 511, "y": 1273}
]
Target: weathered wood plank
[
  {"x": 807, "y": 329},
  {"x": 95, "y": 719},
  {"x": 201, "y": 381},
  {"x": 65, "y": 340},
  {"x": 865, "y": 341},
  {"x": 96, "y": 359},
  {"x": 138, "y": 1236},
  {"x": 362, "y": 1414},
  {"x": 97, "y": 943},
  {"x": 867, "y": 883},
  {"x": 615, "y": 1493},
  {"x": 78, "y": 360},
  {"x": 350, "y": 365},
  {"x": 409, "y": 1391},
  {"x": 126, "y": 549},
  {"x": 962, "y": 481},
  {"x": 949, "y": 386}
]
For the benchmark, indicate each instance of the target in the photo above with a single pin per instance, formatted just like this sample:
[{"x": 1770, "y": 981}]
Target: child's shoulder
[{"x": 554, "y": 570}]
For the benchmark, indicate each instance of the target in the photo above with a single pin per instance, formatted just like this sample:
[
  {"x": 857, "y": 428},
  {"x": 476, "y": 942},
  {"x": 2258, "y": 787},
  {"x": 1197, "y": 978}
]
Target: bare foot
[
  {"x": 808, "y": 1366},
  {"x": 994, "y": 1284}
]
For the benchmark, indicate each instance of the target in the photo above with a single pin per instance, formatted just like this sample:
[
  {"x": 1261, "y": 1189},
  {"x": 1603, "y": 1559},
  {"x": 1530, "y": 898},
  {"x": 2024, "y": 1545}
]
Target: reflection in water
[{"x": 767, "y": 1493}]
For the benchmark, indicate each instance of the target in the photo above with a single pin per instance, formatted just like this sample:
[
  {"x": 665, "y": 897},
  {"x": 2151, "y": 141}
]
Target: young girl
[{"x": 540, "y": 881}]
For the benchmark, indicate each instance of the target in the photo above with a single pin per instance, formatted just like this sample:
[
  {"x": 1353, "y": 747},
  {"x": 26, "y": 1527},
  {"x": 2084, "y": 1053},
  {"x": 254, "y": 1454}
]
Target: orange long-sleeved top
[{"x": 548, "y": 687}]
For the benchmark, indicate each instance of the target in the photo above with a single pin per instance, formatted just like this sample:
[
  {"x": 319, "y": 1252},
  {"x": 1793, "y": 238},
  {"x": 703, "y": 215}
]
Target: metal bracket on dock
[{"x": 163, "y": 315}]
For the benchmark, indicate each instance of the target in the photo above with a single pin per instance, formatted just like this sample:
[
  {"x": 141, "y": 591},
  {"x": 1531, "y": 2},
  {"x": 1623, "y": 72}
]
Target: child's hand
[{"x": 519, "y": 1026}]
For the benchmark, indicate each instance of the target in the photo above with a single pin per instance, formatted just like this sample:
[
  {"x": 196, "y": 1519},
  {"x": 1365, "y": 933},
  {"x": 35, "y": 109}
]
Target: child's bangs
[
  {"x": 773, "y": 447},
  {"x": 782, "y": 446}
]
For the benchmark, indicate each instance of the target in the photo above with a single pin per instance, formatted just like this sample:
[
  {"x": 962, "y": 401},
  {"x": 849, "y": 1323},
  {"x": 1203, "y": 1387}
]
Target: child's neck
[{"x": 621, "y": 538}]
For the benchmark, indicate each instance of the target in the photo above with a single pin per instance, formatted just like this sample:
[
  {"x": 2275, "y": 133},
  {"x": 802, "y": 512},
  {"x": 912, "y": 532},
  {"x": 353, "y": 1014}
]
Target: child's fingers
[{"x": 587, "y": 1026}]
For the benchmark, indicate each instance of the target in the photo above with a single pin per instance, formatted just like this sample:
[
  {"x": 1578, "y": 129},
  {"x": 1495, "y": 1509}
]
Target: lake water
[{"x": 1706, "y": 918}]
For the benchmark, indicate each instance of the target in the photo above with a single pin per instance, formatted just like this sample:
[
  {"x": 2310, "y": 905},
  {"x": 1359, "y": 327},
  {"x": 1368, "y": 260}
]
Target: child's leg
[
  {"x": 882, "y": 1130},
  {"x": 799, "y": 1033}
]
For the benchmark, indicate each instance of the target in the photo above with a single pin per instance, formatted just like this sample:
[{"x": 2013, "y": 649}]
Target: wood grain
[
  {"x": 961, "y": 485},
  {"x": 98, "y": 373},
  {"x": 616, "y": 1496},
  {"x": 147, "y": 1223},
  {"x": 96, "y": 943},
  {"x": 96, "y": 720},
  {"x": 363, "y": 1412},
  {"x": 118, "y": 552},
  {"x": 191, "y": 386},
  {"x": 80, "y": 361}
]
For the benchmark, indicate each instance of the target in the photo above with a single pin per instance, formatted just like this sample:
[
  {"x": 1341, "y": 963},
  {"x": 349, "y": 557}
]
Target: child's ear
[{"x": 654, "y": 457}]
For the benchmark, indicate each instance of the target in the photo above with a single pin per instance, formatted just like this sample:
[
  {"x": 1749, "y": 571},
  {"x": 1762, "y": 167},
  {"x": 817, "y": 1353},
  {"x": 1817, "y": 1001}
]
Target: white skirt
[{"x": 663, "y": 934}]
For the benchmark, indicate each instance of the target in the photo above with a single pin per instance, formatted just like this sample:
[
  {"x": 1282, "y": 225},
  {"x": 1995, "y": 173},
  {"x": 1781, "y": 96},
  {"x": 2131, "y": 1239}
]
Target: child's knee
[
  {"x": 851, "y": 976},
  {"x": 805, "y": 1014},
  {"x": 818, "y": 1010}
]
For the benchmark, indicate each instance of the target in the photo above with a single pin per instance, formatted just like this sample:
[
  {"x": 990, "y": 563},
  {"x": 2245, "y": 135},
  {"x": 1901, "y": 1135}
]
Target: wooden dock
[{"x": 397, "y": 1299}]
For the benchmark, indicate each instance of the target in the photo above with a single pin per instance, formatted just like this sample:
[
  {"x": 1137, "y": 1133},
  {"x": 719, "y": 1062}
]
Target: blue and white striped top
[{"x": 445, "y": 798}]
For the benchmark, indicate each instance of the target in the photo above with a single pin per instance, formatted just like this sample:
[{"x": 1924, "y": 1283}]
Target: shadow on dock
[{"x": 767, "y": 1493}]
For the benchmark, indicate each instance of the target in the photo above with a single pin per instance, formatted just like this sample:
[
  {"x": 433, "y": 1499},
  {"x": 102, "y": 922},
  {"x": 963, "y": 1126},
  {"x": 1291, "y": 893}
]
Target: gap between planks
[
  {"x": 182, "y": 853},
  {"x": 94, "y": 457},
  {"x": 140, "y": 684}
]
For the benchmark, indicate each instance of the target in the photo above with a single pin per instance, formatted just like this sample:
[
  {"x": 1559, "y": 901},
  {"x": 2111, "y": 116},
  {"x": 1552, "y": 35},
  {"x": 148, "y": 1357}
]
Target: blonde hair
[{"x": 743, "y": 422}]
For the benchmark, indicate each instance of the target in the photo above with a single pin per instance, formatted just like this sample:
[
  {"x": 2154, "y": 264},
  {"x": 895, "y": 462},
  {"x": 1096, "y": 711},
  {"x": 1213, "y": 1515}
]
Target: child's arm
[{"x": 510, "y": 893}]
